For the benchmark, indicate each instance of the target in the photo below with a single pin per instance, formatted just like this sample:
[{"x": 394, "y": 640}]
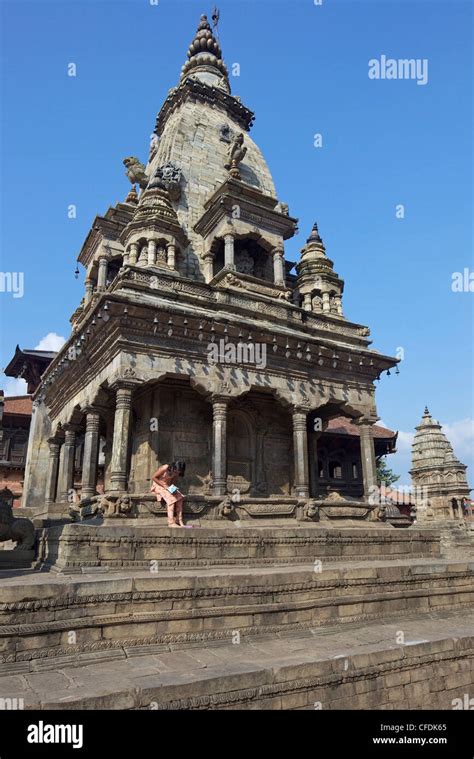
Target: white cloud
[
  {"x": 461, "y": 436},
  {"x": 404, "y": 441},
  {"x": 12, "y": 386},
  {"x": 51, "y": 342}
]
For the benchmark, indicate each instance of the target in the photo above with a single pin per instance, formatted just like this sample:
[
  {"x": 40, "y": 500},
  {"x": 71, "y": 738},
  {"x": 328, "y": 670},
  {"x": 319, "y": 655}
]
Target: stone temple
[
  {"x": 436, "y": 472},
  {"x": 195, "y": 339}
]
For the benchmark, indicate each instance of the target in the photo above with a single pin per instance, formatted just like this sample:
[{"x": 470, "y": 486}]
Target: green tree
[{"x": 384, "y": 474}]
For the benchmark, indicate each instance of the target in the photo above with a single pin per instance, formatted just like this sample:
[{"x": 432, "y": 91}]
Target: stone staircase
[{"x": 266, "y": 618}]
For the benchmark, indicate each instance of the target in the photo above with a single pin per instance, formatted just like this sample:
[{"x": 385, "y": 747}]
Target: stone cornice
[
  {"x": 255, "y": 208},
  {"x": 196, "y": 91}
]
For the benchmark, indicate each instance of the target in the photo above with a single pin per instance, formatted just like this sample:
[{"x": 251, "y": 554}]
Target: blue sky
[{"x": 303, "y": 70}]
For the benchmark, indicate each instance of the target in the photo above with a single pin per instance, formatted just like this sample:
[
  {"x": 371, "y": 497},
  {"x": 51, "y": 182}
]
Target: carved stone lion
[
  {"x": 19, "y": 530},
  {"x": 136, "y": 171},
  {"x": 226, "y": 508}
]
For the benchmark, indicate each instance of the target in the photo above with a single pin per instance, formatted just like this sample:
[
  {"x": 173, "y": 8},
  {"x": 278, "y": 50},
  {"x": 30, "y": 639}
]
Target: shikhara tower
[
  {"x": 438, "y": 476},
  {"x": 197, "y": 256}
]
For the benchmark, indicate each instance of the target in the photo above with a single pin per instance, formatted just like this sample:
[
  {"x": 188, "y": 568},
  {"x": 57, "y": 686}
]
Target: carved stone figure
[
  {"x": 19, "y": 530},
  {"x": 310, "y": 512},
  {"x": 236, "y": 154},
  {"x": 226, "y": 508},
  {"x": 136, "y": 171},
  {"x": 109, "y": 506},
  {"x": 168, "y": 177},
  {"x": 226, "y": 133}
]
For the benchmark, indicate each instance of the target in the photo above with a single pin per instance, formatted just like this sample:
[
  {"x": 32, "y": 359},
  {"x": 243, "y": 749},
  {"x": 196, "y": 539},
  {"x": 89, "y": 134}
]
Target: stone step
[
  {"x": 46, "y": 616},
  {"x": 73, "y": 547},
  {"x": 424, "y": 661}
]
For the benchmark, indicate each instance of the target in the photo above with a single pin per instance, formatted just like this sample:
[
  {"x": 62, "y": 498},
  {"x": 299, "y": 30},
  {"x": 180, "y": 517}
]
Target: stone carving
[
  {"x": 226, "y": 509},
  {"x": 335, "y": 497},
  {"x": 310, "y": 512},
  {"x": 283, "y": 208},
  {"x": 169, "y": 176},
  {"x": 136, "y": 171},
  {"x": 226, "y": 134},
  {"x": 19, "y": 530},
  {"x": 236, "y": 154},
  {"x": 107, "y": 505}
]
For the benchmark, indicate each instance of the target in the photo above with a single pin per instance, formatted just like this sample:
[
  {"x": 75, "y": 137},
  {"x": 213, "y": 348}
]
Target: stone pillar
[
  {"x": 326, "y": 302},
  {"x": 229, "y": 252},
  {"x": 219, "y": 445},
  {"x": 66, "y": 465},
  {"x": 89, "y": 290},
  {"x": 121, "y": 439},
  {"x": 300, "y": 449},
  {"x": 171, "y": 255},
  {"x": 208, "y": 266},
  {"x": 307, "y": 302},
  {"x": 369, "y": 464},
  {"x": 133, "y": 253},
  {"x": 151, "y": 252},
  {"x": 338, "y": 301},
  {"x": 52, "y": 479},
  {"x": 102, "y": 276},
  {"x": 91, "y": 453},
  {"x": 278, "y": 267}
]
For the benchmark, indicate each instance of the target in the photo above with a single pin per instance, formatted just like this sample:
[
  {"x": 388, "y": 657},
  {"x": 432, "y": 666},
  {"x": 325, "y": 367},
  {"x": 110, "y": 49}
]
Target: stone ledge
[{"x": 359, "y": 668}]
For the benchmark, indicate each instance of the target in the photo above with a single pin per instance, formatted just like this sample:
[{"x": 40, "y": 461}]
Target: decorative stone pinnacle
[
  {"x": 132, "y": 196},
  {"x": 205, "y": 53},
  {"x": 314, "y": 236}
]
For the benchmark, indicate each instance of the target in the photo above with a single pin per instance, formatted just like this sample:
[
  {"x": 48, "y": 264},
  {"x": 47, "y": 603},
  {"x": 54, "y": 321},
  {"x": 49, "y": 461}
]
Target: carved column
[
  {"x": 66, "y": 465},
  {"x": 102, "y": 275},
  {"x": 151, "y": 252},
  {"x": 121, "y": 439},
  {"x": 89, "y": 290},
  {"x": 229, "y": 252},
  {"x": 219, "y": 445},
  {"x": 300, "y": 449},
  {"x": 260, "y": 480},
  {"x": 326, "y": 302},
  {"x": 171, "y": 253},
  {"x": 338, "y": 301},
  {"x": 307, "y": 302},
  {"x": 91, "y": 453},
  {"x": 133, "y": 253},
  {"x": 278, "y": 267},
  {"x": 369, "y": 464},
  {"x": 52, "y": 480},
  {"x": 208, "y": 266}
]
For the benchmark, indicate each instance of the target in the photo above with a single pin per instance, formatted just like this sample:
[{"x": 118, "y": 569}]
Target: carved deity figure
[{"x": 236, "y": 154}]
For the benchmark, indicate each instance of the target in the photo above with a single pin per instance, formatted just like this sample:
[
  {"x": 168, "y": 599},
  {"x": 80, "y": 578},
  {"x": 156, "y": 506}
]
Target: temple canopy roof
[{"x": 29, "y": 365}]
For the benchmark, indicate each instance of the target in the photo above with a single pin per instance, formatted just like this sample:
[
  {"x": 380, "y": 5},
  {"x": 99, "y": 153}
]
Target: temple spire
[{"x": 205, "y": 58}]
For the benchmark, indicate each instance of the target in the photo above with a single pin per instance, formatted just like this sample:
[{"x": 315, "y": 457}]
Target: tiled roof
[
  {"x": 342, "y": 425},
  {"x": 18, "y": 404}
]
